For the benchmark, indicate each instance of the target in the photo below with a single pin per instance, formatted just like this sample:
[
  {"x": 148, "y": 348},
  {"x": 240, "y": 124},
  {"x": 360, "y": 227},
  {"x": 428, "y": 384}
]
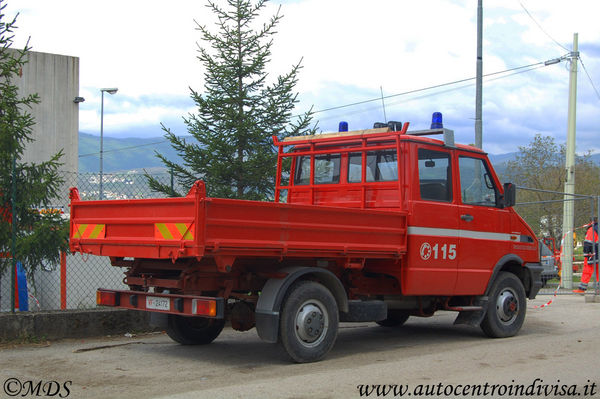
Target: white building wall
[{"x": 55, "y": 78}]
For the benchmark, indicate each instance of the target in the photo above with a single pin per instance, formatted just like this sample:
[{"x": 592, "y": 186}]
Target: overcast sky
[{"x": 351, "y": 50}]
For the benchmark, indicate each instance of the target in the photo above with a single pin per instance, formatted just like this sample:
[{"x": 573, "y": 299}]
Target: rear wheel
[
  {"x": 395, "y": 318},
  {"x": 309, "y": 322},
  {"x": 506, "y": 307},
  {"x": 194, "y": 330}
]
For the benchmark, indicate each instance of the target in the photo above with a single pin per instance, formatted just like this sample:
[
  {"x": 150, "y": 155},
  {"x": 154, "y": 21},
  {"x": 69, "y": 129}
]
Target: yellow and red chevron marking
[
  {"x": 91, "y": 230},
  {"x": 174, "y": 231}
]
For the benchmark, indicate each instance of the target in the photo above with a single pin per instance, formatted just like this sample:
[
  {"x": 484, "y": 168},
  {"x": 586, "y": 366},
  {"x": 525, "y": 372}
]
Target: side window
[
  {"x": 327, "y": 169},
  {"x": 382, "y": 166},
  {"x": 435, "y": 175},
  {"x": 355, "y": 167},
  {"x": 476, "y": 184},
  {"x": 302, "y": 171}
]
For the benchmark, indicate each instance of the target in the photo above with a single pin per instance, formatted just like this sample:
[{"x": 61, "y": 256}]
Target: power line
[
  {"x": 543, "y": 63},
  {"x": 560, "y": 45},
  {"x": 124, "y": 148},
  {"x": 521, "y": 69},
  {"x": 443, "y": 91},
  {"x": 542, "y": 29},
  {"x": 589, "y": 78}
]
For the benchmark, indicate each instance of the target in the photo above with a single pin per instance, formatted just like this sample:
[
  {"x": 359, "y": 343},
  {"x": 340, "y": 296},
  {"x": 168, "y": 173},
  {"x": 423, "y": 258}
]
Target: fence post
[
  {"x": 172, "y": 181},
  {"x": 13, "y": 250},
  {"x": 63, "y": 280}
]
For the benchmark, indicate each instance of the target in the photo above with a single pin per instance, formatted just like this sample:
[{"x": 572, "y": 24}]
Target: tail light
[
  {"x": 107, "y": 298},
  {"x": 204, "y": 307}
]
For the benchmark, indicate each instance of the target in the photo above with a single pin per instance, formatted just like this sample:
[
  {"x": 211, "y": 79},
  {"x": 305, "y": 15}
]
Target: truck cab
[{"x": 461, "y": 227}]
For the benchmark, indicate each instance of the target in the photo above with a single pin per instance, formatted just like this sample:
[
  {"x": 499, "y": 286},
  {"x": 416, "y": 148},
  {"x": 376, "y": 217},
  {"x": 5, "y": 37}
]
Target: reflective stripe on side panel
[{"x": 476, "y": 235}]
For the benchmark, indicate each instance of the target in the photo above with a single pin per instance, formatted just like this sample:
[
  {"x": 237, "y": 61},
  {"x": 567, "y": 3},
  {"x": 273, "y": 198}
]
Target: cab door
[
  {"x": 431, "y": 267},
  {"x": 484, "y": 225}
]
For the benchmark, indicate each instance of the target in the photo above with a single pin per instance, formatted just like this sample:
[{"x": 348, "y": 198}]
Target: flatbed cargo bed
[{"x": 197, "y": 226}]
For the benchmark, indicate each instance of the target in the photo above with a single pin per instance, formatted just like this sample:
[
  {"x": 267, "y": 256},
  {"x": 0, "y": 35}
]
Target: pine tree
[
  {"x": 239, "y": 111},
  {"x": 39, "y": 237}
]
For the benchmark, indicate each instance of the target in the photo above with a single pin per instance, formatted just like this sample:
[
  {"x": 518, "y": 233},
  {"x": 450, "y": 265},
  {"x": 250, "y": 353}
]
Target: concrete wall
[
  {"x": 55, "y": 78},
  {"x": 72, "y": 324}
]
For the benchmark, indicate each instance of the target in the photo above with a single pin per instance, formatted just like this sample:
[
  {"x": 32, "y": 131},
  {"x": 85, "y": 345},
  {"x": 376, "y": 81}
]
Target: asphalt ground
[{"x": 556, "y": 354}]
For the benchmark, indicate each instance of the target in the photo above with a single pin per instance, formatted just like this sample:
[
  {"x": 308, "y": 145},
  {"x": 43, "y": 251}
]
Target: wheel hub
[
  {"x": 507, "y": 306},
  {"x": 311, "y": 323}
]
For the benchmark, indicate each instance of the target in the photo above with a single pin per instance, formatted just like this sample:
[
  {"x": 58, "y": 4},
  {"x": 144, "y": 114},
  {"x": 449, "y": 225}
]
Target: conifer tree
[
  {"x": 239, "y": 111},
  {"x": 39, "y": 237}
]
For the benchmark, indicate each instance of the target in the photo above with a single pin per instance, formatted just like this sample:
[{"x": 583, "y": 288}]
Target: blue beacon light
[
  {"x": 343, "y": 126},
  {"x": 436, "y": 121}
]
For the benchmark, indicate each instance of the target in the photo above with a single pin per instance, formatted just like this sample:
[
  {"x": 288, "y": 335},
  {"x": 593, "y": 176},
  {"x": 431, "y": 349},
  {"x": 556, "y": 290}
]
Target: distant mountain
[
  {"x": 596, "y": 159},
  {"x": 122, "y": 154},
  {"x": 500, "y": 161},
  {"x": 125, "y": 154}
]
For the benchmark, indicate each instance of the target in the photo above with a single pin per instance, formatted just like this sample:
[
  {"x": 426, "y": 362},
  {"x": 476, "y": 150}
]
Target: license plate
[{"x": 158, "y": 303}]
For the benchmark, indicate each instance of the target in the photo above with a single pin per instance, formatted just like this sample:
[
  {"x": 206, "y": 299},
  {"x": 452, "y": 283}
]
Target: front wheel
[
  {"x": 309, "y": 322},
  {"x": 193, "y": 330},
  {"x": 506, "y": 307}
]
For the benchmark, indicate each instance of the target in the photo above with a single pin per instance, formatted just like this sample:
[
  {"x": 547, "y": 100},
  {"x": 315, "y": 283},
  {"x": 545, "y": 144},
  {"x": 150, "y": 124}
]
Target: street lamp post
[{"x": 111, "y": 90}]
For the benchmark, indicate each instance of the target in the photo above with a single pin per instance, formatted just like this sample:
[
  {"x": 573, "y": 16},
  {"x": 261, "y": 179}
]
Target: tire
[
  {"x": 308, "y": 303},
  {"x": 395, "y": 318},
  {"x": 193, "y": 330},
  {"x": 506, "y": 307}
]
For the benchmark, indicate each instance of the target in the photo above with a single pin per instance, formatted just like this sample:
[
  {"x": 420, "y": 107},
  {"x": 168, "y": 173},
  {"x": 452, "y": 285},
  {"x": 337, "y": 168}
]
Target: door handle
[{"x": 467, "y": 218}]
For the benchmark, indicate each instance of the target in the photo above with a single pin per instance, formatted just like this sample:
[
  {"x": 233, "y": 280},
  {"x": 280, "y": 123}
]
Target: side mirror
[{"x": 510, "y": 195}]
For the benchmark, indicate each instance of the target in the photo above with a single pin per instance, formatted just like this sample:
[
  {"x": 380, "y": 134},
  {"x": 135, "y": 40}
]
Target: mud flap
[
  {"x": 473, "y": 317},
  {"x": 535, "y": 271},
  {"x": 359, "y": 311},
  {"x": 158, "y": 320}
]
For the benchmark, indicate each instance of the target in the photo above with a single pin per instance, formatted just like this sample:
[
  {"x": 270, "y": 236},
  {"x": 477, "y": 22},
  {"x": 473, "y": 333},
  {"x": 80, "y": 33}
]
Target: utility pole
[
  {"x": 112, "y": 90},
  {"x": 569, "y": 203},
  {"x": 479, "y": 77}
]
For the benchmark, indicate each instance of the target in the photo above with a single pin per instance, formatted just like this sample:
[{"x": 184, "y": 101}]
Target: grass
[{"x": 25, "y": 340}]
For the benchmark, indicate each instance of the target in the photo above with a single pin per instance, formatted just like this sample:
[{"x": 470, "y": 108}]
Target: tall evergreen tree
[
  {"x": 39, "y": 237},
  {"x": 239, "y": 111}
]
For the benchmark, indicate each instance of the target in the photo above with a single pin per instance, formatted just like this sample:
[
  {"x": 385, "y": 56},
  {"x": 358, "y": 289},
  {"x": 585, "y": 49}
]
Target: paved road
[{"x": 559, "y": 344}]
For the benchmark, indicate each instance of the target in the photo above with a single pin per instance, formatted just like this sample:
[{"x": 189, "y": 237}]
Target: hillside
[{"x": 121, "y": 154}]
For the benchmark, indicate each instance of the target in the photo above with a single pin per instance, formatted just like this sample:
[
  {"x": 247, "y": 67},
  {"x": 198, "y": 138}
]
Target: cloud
[{"x": 349, "y": 49}]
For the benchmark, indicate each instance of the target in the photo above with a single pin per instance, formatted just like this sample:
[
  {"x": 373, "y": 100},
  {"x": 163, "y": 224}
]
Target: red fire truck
[{"x": 370, "y": 225}]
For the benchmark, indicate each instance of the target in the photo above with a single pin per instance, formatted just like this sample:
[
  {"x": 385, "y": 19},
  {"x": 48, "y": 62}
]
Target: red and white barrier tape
[{"x": 560, "y": 282}]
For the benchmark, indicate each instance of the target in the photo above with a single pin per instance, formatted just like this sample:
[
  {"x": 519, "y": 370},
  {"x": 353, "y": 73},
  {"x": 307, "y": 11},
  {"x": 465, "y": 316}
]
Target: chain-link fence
[
  {"x": 543, "y": 210},
  {"x": 72, "y": 282}
]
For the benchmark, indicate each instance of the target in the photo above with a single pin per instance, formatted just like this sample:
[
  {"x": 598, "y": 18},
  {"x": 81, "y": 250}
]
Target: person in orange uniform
[{"x": 590, "y": 248}]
